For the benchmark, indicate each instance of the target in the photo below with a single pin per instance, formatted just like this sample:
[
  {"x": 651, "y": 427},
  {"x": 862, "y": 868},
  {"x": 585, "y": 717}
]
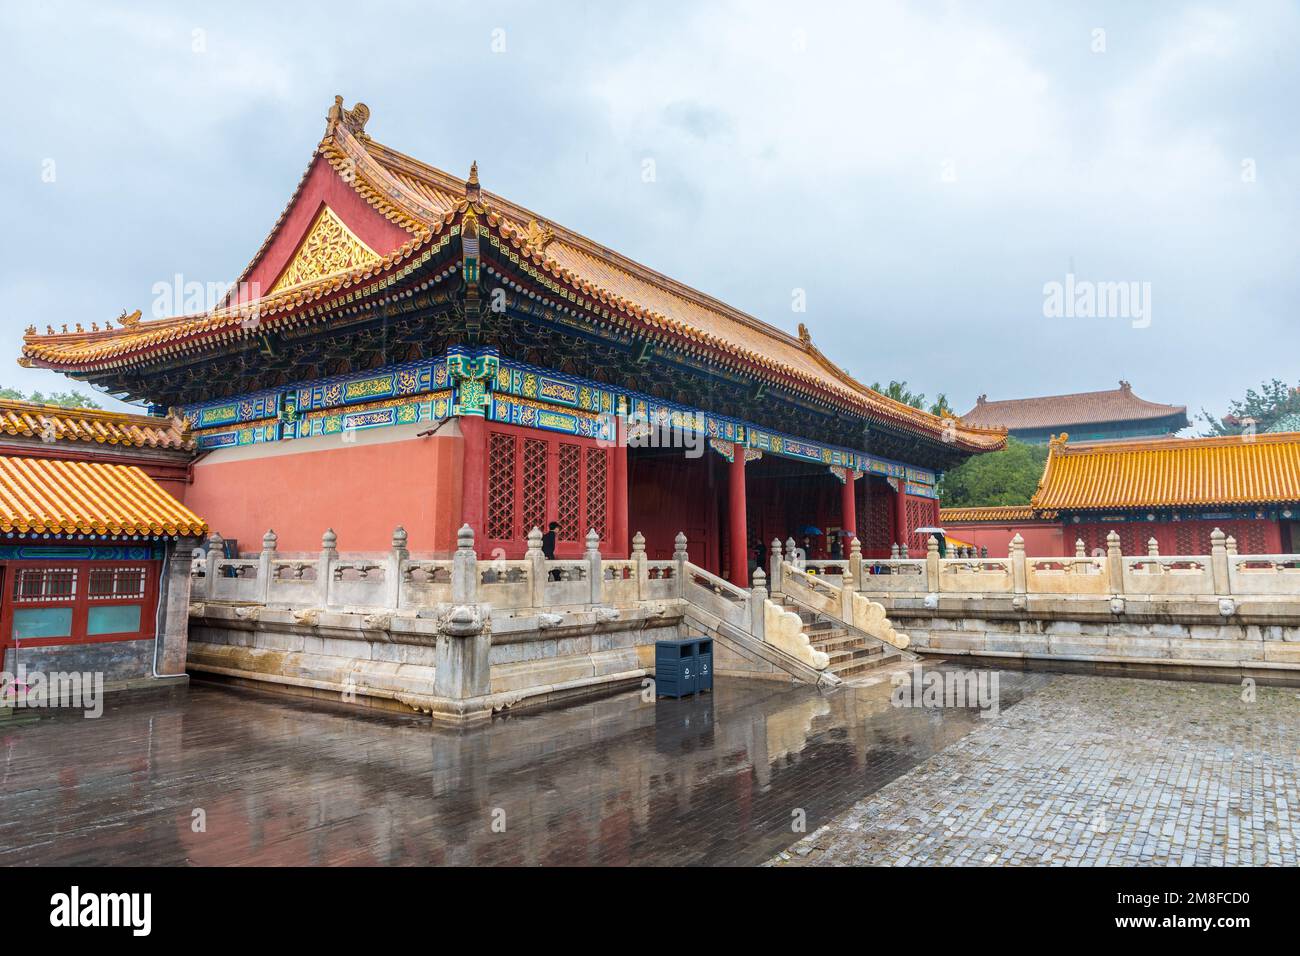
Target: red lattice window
[
  {"x": 597, "y": 483},
  {"x": 534, "y": 490},
  {"x": 921, "y": 513},
  {"x": 570, "y": 492},
  {"x": 108, "y": 584},
  {"x": 501, "y": 487}
]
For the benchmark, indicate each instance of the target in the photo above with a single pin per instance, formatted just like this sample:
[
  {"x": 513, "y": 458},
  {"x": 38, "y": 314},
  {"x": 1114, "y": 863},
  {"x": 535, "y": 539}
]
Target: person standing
[{"x": 548, "y": 547}]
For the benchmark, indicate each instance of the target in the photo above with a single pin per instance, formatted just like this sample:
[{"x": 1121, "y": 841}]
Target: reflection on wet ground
[{"x": 214, "y": 776}]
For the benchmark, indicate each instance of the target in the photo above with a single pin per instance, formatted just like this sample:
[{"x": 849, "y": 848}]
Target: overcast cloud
[{"x": 920, "y": 170}]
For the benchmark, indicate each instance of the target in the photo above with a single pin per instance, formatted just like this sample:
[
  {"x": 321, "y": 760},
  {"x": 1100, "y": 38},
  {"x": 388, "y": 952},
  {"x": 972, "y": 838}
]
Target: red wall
[
  {"x": 1177, "y": 537},
  {"x": 1041, "y": 540},
  {"x": 362, "y": 491}
]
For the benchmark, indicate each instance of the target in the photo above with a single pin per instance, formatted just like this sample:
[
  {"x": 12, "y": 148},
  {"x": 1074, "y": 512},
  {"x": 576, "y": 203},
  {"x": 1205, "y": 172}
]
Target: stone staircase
[{"x": 852, "y": 654}]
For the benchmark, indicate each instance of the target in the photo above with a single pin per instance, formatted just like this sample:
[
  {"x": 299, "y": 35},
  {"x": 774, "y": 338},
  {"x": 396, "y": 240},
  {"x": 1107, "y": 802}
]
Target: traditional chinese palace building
[
  {"x": 1111, "y": 415},
  {"x": 1175, "y": 490},
  {"x": 407, "y": 348},
  {"x": 95, "y": 546}
]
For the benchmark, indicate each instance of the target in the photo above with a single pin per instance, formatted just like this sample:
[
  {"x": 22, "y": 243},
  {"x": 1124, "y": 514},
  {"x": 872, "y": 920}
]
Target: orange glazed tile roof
[
  {"x": 45, "y": 495},
  {"x": 430, "y": 205},
  {"x": 993, "y": 513},
  {"x": 1061, "y": 411},
  {"x": 1171, "y": 472},
  {"x": 56, "y": 423}
]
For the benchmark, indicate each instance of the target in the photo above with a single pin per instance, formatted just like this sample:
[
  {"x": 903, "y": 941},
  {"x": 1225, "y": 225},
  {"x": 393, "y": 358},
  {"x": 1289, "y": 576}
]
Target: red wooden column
[
  {"x": 849, "y": 509},
  {"x": 900, "y": 513},
  {"x": 737, "y": 521},
  {"x": 619, "y": 540},
  {"x": 473, "y": 501}
]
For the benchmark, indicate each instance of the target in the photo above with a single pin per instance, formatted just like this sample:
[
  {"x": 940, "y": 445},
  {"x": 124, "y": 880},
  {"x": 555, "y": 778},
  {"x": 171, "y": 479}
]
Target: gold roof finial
[
  {"x": 472, "y": 191},
  {"x": 804, "y": 336},
  {"x": 353, "y": 120}
]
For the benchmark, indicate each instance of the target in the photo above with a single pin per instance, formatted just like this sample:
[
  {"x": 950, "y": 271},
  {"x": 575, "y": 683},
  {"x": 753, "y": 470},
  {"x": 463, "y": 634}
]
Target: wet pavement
[
  {"x": 214, "y": 775},
  {"x": 1094, "y": 771}
]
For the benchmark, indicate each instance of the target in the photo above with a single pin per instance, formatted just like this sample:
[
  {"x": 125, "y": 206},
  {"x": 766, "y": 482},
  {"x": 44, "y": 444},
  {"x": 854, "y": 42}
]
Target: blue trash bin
[
  {"x": 676, "y": 667},
  {"x": 704, "y": 665}
]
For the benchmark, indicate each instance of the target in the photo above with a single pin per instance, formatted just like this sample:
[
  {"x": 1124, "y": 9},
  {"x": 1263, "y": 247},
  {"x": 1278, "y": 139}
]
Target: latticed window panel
[
  {"x": 570, "y": 474},
  {"x": 501, "y": 487},
  {"x": 45, "y": 584},
  {"x": 921, "y": 513},
  {"x": 569, "y": 507},
  {"x": 116, "y": 583},
  {"x": 534, "y": 490},
  {"x": 875, "y": 517},
  {"x": 597, "y": 485}
]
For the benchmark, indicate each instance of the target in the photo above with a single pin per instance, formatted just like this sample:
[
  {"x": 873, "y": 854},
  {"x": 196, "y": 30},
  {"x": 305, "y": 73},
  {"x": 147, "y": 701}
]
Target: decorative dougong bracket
[{"x": 473, "y": 377}]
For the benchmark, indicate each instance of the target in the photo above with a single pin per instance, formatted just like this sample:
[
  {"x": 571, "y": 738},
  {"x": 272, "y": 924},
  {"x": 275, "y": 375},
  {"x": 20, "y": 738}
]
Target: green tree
[
  {"x": 65, "y": 399},
  {"x": 1261, "y": 408},
  {"x": 1007, "y": 477},
  {"x": 941, "y": 407},
  {"x": 899, "y": 392}
]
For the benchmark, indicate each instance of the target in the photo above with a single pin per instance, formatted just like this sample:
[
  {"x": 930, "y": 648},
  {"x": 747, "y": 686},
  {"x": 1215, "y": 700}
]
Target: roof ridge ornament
[
  {"x": 472, "y": 190},
  {"x": 129, "y": 321},
  {"x": 539, "y": 235},
  {"x": 804, "y": 335},
  {"x": 353, "y": 120}
]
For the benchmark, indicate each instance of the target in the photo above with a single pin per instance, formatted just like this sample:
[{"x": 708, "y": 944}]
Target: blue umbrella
[{"x": 811, "y": 530}]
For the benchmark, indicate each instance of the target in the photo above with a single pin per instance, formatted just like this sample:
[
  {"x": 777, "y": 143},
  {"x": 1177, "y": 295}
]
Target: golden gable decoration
[{"x": 329, "y": 249}]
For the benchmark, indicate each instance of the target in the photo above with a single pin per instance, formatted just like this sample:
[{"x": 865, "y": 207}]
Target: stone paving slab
[{"x": 1092, "y": 771}]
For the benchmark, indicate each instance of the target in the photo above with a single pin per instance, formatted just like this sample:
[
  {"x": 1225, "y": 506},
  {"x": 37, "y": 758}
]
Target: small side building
[
  {"x": 1177, "y": 491},
  {"x": 95, "y": 544},
  {"x": 992, "y": 528}
]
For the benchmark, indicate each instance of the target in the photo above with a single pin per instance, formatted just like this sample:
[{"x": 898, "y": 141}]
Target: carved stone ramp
[{"x": 758, "y": 652}]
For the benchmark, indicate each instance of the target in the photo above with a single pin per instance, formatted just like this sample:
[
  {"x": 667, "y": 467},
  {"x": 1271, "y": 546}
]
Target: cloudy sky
[{"x": 920, "y": 170}]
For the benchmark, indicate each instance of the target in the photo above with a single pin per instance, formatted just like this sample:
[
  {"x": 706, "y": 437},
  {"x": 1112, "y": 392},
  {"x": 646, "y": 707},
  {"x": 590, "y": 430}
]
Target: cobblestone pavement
[{"x": 1092, "y": 771}]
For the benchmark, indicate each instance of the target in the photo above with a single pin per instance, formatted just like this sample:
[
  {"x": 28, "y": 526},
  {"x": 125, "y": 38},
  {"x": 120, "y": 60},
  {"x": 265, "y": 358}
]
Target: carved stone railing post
[
  {"x": 894, "y": 552},
  {"x": 1080, "y": 549},
  {"x": 1114, "y": 563},
  {"x": 849, "y": 580},
  {"x": 931, "y": 563},
  {"x": 1153, "y": 551},
  {"x": 269, "y": 541},
  {"x": 792, "y": 555},
  {"x": 1219, "y": 562},
  {"x": 639, "y": 565},
  {"x": 1019, "y": 578},
  {"x": 758, "y": 604},
  {"x": 1230, "y": 544},
  {"x": 680, "y": 556},
  {"x": 215, "y": 542},
  {"x": 537, "y": 575},
  {"x": 397, "y": 559},
  {"x": 595, "y": 569},
  {"x": 774, "y": 562},
  {"x": 462, "y": 662},
  {"x": 902, "y": 550},
  {"x": 464, "y": 568},
  {"x": 329, "y": 556},
  {"x": 855, "y": 564}
]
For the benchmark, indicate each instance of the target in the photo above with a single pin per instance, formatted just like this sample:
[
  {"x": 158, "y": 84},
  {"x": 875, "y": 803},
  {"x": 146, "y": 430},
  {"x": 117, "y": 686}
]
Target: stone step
[
  {"x": 855, "y": 667},
  {"x": 855, "y": 654},
  {"x": 838, "y": 641}
]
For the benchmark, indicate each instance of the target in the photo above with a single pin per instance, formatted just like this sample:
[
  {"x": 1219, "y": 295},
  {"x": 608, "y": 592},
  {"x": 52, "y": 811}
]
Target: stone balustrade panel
[
  {"x": 980, "y": 575},
  {"x": 1067, "y": 576},
  {"x": 1264, "y": 574},
  {"x": 1168, "y": 575}
]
